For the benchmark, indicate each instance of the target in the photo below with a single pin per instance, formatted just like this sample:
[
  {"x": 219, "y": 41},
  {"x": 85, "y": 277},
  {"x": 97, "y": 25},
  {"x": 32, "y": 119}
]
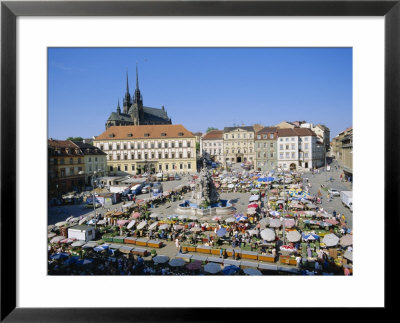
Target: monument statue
[{"x": 205, "y": 191}]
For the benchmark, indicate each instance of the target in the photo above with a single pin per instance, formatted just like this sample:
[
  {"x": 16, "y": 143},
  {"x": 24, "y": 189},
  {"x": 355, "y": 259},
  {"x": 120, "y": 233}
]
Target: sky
[{"x": 200, "y": 87}]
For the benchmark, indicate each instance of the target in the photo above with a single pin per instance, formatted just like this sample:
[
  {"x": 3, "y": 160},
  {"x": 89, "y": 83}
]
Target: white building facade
[
  {"x": 212, "y": 143},
  {"x": 298, "y": 149},
  {"x": 239, "y": 145}
]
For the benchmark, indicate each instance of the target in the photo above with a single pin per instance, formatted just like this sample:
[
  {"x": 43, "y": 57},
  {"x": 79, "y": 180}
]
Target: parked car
[
  {"x": 137, "y": 189},
  {"x": 334, "y": 192},
  {"x": 165, "y": 177},
  {"x": 157, "y": 188},
  {"x": 90, "y": 205},
  {"x": 171, "y": 177},
  {"x": 147, "y": 188},
  {"x": 177, "y": 177}
]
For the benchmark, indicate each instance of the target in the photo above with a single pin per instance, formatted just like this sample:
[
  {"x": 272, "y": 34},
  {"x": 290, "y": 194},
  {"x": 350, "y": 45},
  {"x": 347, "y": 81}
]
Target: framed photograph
[{"x": 150, "y": 148}]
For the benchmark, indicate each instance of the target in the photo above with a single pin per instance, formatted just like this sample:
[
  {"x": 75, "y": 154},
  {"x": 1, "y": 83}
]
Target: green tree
[
  {"x": 197, "y": 146},
  {"x": 75, "y": 138},
  {"x": 211, "y": 129}
]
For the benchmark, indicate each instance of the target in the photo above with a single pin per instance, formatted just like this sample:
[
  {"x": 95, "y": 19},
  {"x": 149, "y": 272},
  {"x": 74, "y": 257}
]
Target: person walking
[{"x": 177, "y": 243}]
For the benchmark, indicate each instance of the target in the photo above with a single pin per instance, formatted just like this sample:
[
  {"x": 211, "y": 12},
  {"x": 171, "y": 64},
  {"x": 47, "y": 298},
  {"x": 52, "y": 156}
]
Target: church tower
[
  {"x": 138, "y": 101},
  {"x": 127, "y": 98}
]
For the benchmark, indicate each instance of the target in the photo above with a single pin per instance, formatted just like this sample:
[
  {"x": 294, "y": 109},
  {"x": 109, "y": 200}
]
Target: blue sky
[{"x": 200, "y": 87}]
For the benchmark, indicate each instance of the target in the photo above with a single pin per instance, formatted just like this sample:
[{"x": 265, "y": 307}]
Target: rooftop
[
  {"x": 214, "y": 135},
  {"x": 145, "y": 132},
  {"x": 295, "y": 132}
]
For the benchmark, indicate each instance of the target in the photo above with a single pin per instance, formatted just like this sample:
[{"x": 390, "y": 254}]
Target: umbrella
[
  {"x": 84, "y": 219},
  {"x": 231, "y": 185},
  {"x": 195, "y": 229},
  {"x": 251, "y": 211},
  {"x": 104, "y": 221},
  {"x": 195, "y": 265},
  {"x": 71, "y": 260},
  {"x": 78, "y": 243},
  {"x": 193, "y": 217},
  {"x": 50, "y": 227},
  {"x": 60, "y": 224},
  {"x": 346, "y": 240},
  {"x": 57, "y": 239},
  {"x": 252, "y": 272},
  {"x": 163, "y": 226},
  {"x": 230, "y": 220},
  {"x": 131, "y": 224},
  {"x": 230, "y": 270},
  {"x": 275, "y": 223},
  {"x": 154, "y": 215},
  {"x": 252, "y": 232},
  {"x": 216, "y": 218},
  {"x": 221, "y": 232},
  {"x": 181, "y": 217},
  {"x": 68, "y": 240},
  {"x": 212, "y": 268},
  {"x": 280, "y": 202},
  {"x": 51, "y": 235},
  {"x": 61, "y": 255},
  {"x": 348, "y": 255},
  {"x": 289, "y": 223},
  {"x": 330, "y": 240},
  {"x": 254, "y": 205},
  {"x": 160, "y": 259},
  {"x": 331, "y": 221},
  {"x": 311, "y": 206},
  {"x": 122, "y": 222},
  {"x": 153, "y": 225},
  {"x": 178, "y": 227},
  {"x": 293, "y": 236},
  {"x": 176, "y": 262},
  {"x": 73, "y": 220},
  {"x": 135, "y": 215},
  {"x": 310, "y": 236},
  {"x": 84, "y": 262},
  {"x": 141, "y": 225},
  {"x": 268, "y": 234},
  {"x": 253, "y": 198},
  {"x": 274, "y": 213}
]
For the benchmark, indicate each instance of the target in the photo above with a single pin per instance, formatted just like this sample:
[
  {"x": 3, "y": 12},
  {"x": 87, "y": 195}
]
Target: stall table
[
  {"x": 267, "y": 258},
  {"x": 203, "y": 249},
  {"x": 139, "y": 252},
  {"x": 141, "y": 242},
  {"x": 154, "y": 243},
  {"x": 184, "y": 256},
  {"x": 249, "y": 255},
  {"x": 215, "y": 259},
  {"x": 130, "y": 240}
]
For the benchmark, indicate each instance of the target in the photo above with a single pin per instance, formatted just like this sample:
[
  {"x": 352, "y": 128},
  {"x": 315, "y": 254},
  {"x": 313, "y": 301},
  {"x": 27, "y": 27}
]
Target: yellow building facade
[{"x": 133, "y": 150}]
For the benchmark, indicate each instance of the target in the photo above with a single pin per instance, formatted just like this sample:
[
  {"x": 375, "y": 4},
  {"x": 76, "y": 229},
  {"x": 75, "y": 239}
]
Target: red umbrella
[
  {"x": 255, "y": 205},
  {"x": 135, "y": 215},
  {"x": 332, "y": 221},
  {"x": 122, "y": 222}
]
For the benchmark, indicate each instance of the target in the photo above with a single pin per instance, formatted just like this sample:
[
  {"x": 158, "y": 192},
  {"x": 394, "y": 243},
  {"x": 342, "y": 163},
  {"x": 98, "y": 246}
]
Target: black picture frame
[{"x": 10, "y": 10}]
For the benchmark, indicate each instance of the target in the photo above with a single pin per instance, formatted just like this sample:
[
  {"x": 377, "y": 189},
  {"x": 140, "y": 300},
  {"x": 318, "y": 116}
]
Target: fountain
[{"x": 205, "y": 198}]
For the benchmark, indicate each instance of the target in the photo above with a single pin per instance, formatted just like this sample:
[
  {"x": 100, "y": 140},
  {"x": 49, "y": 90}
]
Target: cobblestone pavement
[{"x": 336, "y": 204}]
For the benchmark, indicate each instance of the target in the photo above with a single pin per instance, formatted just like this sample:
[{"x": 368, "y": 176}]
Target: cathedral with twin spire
[{"x": 134, "y": 113}]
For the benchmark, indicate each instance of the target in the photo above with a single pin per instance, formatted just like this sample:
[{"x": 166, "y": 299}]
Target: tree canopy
[
  {"x": 75, "y": 138},
  {"x": 211, "y": 129}
]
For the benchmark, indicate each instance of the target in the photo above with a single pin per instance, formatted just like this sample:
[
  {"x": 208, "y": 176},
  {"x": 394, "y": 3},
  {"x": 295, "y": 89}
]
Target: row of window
[
  {"x": 239, "y": 151},
  {"x": 264, "y": 145},
  {"x": 64, "y": 161},
  {"x": 144, "y": 145},
  {"x": 149, "y": 156},
  {"x": 63, "y": 171},
  {"x": 292, "y": 139},
  {"x": 243, "y": 135},
  {"x": 271, "y": 155},
  {"x": 244, "y": 143},
  {"x": 292, "y": 147},
  {"x": 210, "y": 144},
  {"x": 291, "y": 155},
  {"x": 265, "y": 136},
  {"x": 160, "y": 167}
]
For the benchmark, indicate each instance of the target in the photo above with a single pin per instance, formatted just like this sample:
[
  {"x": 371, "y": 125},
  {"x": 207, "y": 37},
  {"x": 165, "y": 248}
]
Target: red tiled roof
[
  {"x": 295, "y": 132},
  {"x": 213, "y": 135},
  {"x": 145, "y": 132}
]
